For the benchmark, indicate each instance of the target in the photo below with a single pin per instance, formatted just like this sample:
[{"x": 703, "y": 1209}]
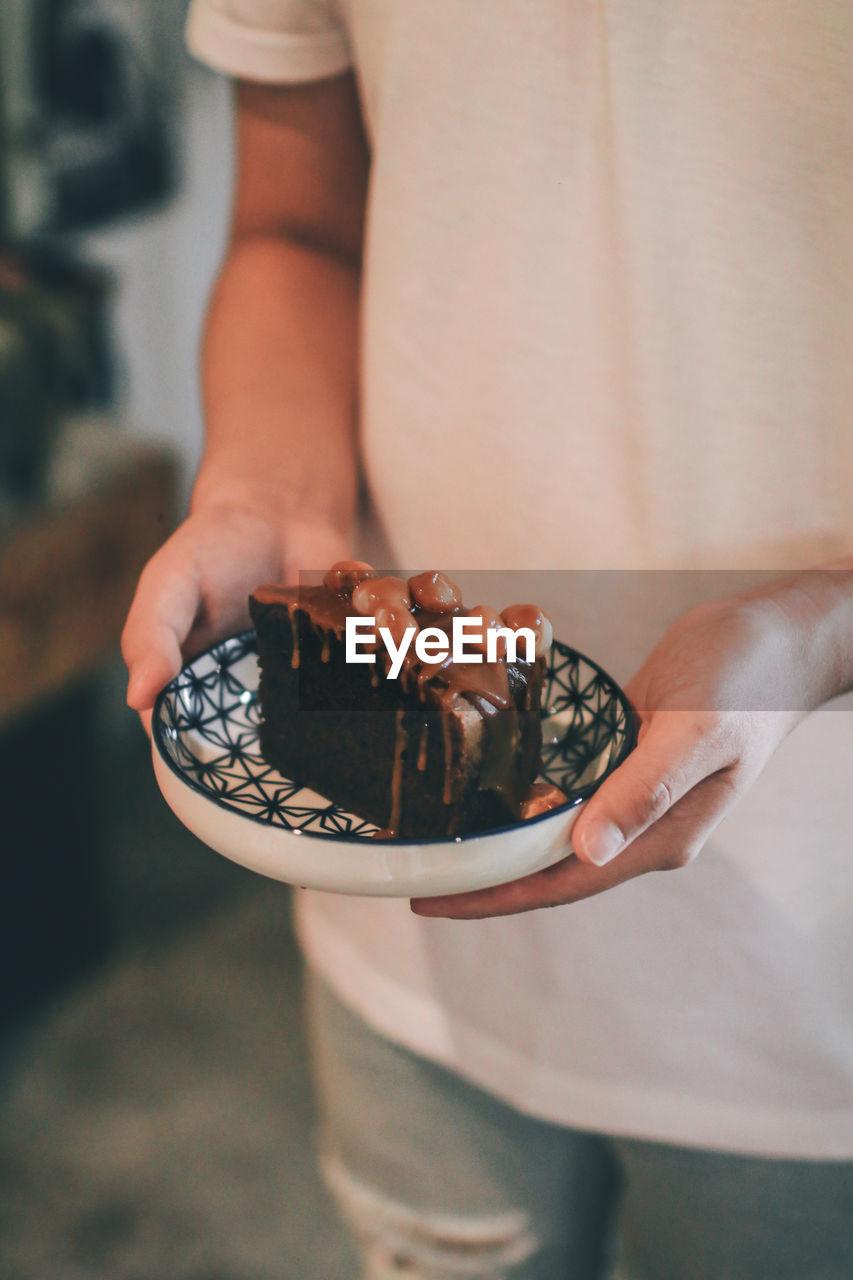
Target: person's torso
[{"x": 608, "y": 288}]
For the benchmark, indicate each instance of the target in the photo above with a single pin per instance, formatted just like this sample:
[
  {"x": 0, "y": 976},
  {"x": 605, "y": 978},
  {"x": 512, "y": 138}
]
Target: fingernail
[{"x": 603, "y": 842}]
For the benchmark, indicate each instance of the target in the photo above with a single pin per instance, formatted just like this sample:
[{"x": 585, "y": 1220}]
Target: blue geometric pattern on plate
[{"x": 206, "y": 725}]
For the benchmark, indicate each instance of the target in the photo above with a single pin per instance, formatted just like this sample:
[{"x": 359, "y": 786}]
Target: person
[{"x": 567, "y": 288}]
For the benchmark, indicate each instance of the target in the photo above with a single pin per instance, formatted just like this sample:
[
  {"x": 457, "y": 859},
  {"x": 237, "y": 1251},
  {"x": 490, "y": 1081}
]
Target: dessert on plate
[{"x": 362, "y": 700}]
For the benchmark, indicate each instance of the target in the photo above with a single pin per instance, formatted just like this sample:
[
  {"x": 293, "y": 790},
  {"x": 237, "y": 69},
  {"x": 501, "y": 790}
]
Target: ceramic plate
[{"x": 209, "y": 768}]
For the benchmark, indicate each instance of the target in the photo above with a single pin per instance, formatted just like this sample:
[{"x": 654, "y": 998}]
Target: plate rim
[{"x": 577, "y": 797}]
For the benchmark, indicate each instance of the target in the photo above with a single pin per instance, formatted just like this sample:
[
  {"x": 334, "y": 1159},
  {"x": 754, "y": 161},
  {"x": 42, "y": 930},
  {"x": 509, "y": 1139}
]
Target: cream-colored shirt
[{"x": 607, "y": 327}]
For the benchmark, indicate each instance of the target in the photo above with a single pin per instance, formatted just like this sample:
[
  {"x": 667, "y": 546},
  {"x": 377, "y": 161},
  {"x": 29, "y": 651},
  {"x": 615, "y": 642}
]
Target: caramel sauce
[
  {"x": 531, "y": 617},
  {"x": 294, "y": 631},
  {"x": 422, "y": 748},
  {"x": 400, "y": 743},
  {"x": 447, "y": 793},
  {"x": 541, "y": 797},
  {"x": 485, "y": 685}
]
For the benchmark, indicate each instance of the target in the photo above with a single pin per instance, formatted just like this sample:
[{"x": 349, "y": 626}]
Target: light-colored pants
[{"x": 438, "y": 1181}]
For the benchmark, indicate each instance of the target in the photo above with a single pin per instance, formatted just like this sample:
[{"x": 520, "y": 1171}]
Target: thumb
[
  {"x": 670, "y": 759},
  {"x": 161, "y": 615}
]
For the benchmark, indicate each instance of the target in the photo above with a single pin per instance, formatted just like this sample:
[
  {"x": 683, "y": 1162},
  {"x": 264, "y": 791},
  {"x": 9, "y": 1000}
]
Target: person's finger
[
  {"x": 223, "y": 606},
  {"x": 565, "y": 882},
  {"x": 677, "y": 751},
  {"x": 174, "y": 615},
  {"x": 161, "y": 616},
  {"x": 673, "y": 842}
]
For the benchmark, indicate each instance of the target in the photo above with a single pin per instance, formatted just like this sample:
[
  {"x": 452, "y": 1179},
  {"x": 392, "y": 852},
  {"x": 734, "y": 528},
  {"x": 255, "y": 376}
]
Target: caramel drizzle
[
  {"x": 400, "y": 739},
  {"x": 476, "y": 683},
  {"x": 329, "y": 612},
  {"x": 447, "y": 793},
  {"x": 294, "y": 631},
  {"x": 422, "y": 747}
]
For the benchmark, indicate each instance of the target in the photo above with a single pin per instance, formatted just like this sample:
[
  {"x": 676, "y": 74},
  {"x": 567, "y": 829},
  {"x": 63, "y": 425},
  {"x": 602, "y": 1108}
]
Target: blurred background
[{"x": 155, "y": 1114}]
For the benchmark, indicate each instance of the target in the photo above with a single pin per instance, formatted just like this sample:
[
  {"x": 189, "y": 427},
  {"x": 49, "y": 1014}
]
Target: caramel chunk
[
  {"x": 380, "y": 593},
  {"x": 490, "y": 620},
  {"x": 435, "y": 593},
  {"x": 532, "y": 617},
  {"x": 396, "y": 621},
  {"x": 541, "y": 798},
  {"x": 347, "y": 574}
]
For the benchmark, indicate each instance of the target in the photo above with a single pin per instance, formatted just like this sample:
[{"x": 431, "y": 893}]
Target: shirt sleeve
[{"x": 276, "y": 41}]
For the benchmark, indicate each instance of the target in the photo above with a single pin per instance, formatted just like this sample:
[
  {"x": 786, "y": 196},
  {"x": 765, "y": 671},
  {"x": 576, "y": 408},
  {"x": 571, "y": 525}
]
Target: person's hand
[
  {"x": 195, "y": 590},
  {"x": 715, "y": 699}
]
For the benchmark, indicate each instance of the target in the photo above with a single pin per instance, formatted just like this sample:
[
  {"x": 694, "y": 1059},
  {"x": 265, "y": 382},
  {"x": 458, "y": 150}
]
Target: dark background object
[
  {"x": 66, "y": 578},
  {"x": 55, "y": 355},
  {"x": 52, "y": 922},
  {"x": 85, "y": 118},
  {"x": 108, "y": 139}
]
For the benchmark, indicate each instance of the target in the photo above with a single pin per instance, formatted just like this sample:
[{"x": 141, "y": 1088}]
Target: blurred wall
[{"x": 165, "y": 260}]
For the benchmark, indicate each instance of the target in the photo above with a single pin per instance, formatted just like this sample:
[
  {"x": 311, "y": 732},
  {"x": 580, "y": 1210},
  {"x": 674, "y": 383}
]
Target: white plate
[{"x": 209, "y": 768}]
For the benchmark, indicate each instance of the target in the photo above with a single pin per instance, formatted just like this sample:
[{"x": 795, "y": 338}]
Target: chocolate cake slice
[{"x": 443, "y": 748}]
